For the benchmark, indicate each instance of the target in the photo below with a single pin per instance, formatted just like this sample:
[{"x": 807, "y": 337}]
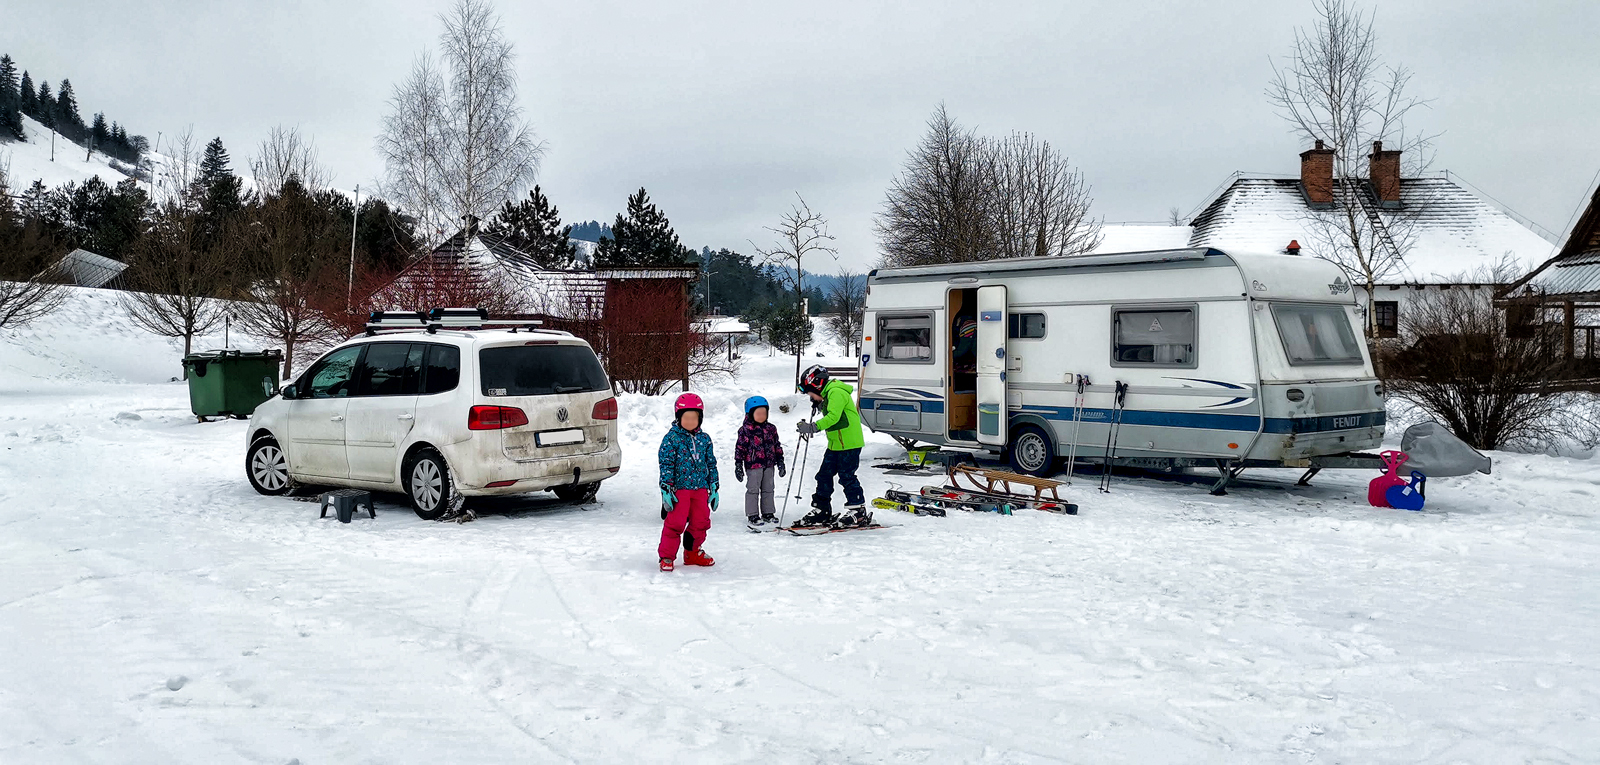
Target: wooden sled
[{"x": 991, "y": 481}]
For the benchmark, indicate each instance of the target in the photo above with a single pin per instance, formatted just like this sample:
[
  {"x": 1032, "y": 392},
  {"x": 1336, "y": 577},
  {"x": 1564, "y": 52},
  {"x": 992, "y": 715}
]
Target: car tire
[
  {"x": 267, "y": 467},
  {"x": 1032, "y": 451},
  {"x": 581, "y": 494},
  {"x": 428, "y": 486}
]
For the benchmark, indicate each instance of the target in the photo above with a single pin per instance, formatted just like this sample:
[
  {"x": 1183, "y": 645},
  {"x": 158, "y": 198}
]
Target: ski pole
[
  {"x": 1119, "y": 398},
  {"x": 796, "y": 456},
  {"x": 1077, "y": 425}
]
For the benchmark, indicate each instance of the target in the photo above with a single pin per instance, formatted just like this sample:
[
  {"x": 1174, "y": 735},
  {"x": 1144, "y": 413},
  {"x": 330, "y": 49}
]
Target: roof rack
[{"x": 442, "y": 318}]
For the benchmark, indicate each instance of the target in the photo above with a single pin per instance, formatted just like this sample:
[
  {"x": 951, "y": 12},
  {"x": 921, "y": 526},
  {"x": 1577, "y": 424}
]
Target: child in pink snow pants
[{"x": 688, "y": 486}]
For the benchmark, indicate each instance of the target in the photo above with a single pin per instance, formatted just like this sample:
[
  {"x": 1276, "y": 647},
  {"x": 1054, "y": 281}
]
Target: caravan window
[
  {"x": 1026, "y": 326},
  {"x": 1161, "y": 337},
  {"x": 905, "y": 339},
  {"x": 1316, "y": 334}
]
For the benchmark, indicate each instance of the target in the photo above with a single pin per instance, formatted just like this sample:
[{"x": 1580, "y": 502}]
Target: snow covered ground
[{"x": 154, "y": 608}]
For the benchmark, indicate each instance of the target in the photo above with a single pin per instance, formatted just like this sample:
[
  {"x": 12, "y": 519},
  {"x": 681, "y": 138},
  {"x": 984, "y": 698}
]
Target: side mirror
[{"x": 289, "y": 392}]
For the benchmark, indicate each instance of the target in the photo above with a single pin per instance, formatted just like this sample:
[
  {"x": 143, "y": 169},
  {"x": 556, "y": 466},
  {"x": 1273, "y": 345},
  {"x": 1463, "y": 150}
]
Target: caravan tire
[{"x": 1032, "y": 451}]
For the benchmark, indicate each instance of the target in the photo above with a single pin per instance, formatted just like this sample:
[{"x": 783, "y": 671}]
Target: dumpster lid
[{"x": 231, "y": 353}]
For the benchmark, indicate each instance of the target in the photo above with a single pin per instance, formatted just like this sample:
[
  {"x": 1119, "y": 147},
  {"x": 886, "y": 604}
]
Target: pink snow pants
[{"x": 693, "y": 512}]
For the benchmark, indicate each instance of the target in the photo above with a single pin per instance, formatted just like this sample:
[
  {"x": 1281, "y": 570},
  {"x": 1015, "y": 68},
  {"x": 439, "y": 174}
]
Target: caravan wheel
[{"x": 1032, "y": 452}]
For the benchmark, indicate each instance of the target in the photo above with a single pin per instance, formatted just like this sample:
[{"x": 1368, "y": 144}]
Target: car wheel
[
  {"x": 1032, "y": 451},
  {"x": 582, "y": 494},
  {"x": 428, "y": 484},
  {"x": 267, "y": 467}
]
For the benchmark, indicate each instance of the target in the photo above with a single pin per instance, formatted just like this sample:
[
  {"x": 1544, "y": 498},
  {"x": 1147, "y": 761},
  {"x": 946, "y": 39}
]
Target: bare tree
[
  {"x": 176, "y": 181},
  {"x": 30, "y": 285},
  {"x": 455, "y": 144},
  {"x": 1492, "y": 387},
  {"x": 299, "y": 251},
  {"x": 173, "y": 280},
  {"x": 940, "y": 208},
  {"x": 801, "y": 233},
  {"x": 1041, "y": 201},
  {"x": 849, "y": 299},
  {"x": 285, "y": 154},
  {"x": 1175, "y": 217},
  {"x": 1334, "y": 89}
]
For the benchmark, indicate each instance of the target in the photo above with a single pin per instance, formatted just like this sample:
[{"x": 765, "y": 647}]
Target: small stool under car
[{"x": 345, "y": 503}]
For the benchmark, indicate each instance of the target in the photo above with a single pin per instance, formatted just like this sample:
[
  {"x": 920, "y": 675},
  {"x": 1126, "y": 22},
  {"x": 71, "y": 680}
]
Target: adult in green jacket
[{"x": 841, "y": 421}]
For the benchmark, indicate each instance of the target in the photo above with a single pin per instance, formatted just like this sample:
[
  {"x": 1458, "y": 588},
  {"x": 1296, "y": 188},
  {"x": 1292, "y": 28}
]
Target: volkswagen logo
[{"x": 561, "y": 414}]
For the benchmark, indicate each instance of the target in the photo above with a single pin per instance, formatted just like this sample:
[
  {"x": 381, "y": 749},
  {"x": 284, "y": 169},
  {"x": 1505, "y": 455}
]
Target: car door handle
[
  {"x": 337, "y": 418},
  {"x": 405, "y": 416}
]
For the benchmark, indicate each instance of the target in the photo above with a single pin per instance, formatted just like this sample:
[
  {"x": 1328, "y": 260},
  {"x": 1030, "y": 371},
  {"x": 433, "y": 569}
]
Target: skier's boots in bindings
[
  {"x": 666, "y": 564},
  {"x": 821, "y": 516},
  {"x": 769, "y": 518},
  {"x": 697, "y": 558},
  {"x": 854, "y": 515}
]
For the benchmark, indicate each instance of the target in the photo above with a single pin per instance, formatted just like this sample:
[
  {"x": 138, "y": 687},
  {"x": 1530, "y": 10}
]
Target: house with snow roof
[
  {"x": 1567, "y": 285},
  {"x": 1427, "y": 233}
]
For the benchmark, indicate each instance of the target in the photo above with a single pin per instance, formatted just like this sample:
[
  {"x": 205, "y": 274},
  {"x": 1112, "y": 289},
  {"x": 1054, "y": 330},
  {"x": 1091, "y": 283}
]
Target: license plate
[{"x": 559, "y": 437}]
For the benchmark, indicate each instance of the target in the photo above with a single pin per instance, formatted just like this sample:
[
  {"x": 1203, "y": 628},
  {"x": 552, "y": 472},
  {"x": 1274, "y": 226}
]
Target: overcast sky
[{"x": 724, "y": 110}]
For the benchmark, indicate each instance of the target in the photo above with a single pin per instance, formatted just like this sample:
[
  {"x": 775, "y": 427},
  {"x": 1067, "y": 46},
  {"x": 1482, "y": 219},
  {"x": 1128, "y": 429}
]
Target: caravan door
[{"x": 992, "y": 323}]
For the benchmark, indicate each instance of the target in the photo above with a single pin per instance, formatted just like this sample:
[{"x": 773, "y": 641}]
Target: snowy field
[{"x": 155, "y": 609}]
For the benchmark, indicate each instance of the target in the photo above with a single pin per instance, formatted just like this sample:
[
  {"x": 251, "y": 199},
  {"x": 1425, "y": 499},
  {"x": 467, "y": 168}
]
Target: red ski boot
[
  {"x": 666, "y": 564},
  {"x": 697, "y": 558}
]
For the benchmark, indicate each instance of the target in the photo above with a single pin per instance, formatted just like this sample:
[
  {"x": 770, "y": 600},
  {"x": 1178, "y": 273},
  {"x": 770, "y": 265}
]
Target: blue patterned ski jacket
[{"x": 687, "y": 461}]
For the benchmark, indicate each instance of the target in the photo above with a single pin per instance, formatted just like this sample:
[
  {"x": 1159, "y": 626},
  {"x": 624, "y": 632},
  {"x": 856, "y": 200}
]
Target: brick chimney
[
  {"x": 1384, "y": 172},
  {"x": 1316, "y": 174}
]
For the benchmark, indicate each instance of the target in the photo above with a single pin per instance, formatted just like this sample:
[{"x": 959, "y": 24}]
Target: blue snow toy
[{"x": 1408, "y": 497}]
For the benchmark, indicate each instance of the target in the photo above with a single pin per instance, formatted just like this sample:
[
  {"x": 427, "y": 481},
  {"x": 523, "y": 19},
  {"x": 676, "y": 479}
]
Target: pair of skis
[{"x": 1010, "y": 502}]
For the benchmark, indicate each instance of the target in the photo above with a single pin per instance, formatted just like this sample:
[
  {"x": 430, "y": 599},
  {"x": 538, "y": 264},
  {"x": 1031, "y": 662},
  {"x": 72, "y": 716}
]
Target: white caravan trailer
[{"x": 1230, "y": 360}]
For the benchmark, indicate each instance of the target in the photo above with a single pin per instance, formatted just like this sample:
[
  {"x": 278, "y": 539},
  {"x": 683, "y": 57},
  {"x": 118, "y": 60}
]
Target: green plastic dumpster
[{"x": 231, "y": 383}]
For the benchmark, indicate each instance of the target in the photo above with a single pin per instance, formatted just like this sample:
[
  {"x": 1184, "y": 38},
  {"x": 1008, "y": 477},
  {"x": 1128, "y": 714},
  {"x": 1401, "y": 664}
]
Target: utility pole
[
  {"x": 355, "y": 215},
  {"x": 153, "y": 168}
]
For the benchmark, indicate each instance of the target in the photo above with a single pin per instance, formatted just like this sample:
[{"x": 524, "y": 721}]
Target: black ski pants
[{"x": 843, "y": 464}]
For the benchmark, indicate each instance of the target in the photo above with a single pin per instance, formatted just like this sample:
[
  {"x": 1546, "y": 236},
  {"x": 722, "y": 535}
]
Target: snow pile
[{"x": 158, "y": 610}]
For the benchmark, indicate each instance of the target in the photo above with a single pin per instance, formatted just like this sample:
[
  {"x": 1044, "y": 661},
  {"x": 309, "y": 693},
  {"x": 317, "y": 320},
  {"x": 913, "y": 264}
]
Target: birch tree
[
  {"x": 455, "y": 143},
  {"x": 1335, "y": 88}
]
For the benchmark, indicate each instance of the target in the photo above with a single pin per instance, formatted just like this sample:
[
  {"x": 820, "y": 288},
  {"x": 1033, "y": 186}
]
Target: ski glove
[
  {"x": 713, "y": 499},
  {"x": 738, "y": 470},
  {"x": 806, "y": 428},
  {"x": 669, "y": 499},
  {"x": 781, "y": 471}
]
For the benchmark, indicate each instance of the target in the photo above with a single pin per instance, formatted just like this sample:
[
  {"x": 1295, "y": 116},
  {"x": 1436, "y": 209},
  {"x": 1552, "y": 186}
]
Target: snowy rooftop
[
  {"x": 1141, "y": 237},
  {"x": 1455, "y": 230},
  {"x": 722, "y": 325}
]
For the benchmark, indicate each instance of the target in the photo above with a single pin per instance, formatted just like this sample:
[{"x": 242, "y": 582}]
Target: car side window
[
  {"x": 334, "y": 374},
  {"x": 443, "y": 369},
  {"x": 387, "y": 370}
]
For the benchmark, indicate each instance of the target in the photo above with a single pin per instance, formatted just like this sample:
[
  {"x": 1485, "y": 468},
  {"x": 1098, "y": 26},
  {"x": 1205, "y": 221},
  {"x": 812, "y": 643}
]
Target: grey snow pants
[{"x": 758, "y": 490}]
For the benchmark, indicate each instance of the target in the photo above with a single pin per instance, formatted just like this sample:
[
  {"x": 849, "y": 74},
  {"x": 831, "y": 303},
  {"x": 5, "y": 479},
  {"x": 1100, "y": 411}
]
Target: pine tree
[
  {"x": 534, "y": 226},
  {"x": 216, "y": 190},
  {"x": 46, "y": 110},
  {"x": 642, "y": 239},
  {"x": 10, "y": 102},
  {"x": 67, "y": 107},
  {"x": 30, "y": 97},
  {"x": 99, "y": 132}
]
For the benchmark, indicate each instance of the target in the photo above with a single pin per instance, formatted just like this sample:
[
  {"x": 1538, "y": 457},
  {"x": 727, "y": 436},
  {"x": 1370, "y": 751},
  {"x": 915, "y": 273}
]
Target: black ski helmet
[{"x": 812, "y": 380}]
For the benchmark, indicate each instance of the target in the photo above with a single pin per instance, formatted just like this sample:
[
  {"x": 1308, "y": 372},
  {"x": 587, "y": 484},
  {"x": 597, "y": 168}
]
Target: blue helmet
[{"x": 752, "y": 403}]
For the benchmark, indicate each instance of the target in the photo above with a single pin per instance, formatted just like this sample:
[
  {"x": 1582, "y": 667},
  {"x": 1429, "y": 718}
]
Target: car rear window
[{"x": 540, "y": 370}]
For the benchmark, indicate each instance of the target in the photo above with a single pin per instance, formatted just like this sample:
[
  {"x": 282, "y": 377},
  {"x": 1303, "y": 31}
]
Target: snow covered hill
[
  {"x": 154, "y": 608},
  {"x": 28, "y": 161}
]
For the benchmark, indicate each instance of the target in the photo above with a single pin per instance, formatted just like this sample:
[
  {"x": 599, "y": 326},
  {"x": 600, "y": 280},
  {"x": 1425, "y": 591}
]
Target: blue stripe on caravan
[
  {"x": 1323, "y": 424},
  {"x": 902, "y": 405},
  {"x": 1202, "y": 420}
]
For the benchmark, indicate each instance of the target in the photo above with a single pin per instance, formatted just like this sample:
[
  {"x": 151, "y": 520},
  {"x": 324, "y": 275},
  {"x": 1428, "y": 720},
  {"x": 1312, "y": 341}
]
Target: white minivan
[{"x": 442, "y": 414}]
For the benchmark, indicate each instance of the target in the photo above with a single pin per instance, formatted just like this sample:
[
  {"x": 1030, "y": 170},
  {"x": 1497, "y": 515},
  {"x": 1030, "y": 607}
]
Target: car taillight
[
  {"x": 495, "y": 417},
  {"x": 605, "y": 410}
]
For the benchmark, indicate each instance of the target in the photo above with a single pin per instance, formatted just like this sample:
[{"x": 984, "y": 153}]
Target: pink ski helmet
[{"x": 685, "y": 403}]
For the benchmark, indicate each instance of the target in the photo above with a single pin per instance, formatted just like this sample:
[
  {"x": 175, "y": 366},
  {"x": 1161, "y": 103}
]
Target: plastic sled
[
  {"x": 1378, "y": 490},
  {"x": 1408, "y": 497}
]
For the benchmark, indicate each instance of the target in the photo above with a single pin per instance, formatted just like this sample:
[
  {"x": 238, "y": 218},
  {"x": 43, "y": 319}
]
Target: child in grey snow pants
[{"x": 758, "y": 460}]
